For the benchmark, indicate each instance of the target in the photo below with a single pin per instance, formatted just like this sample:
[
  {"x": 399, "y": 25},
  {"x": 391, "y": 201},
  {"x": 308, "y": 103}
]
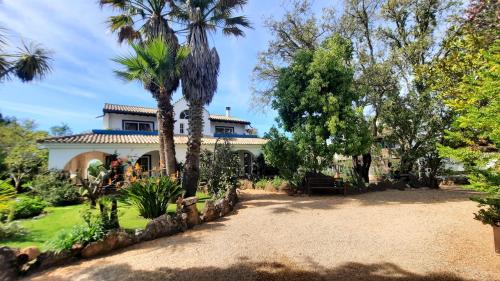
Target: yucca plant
[{"x": 151, "y": 196}]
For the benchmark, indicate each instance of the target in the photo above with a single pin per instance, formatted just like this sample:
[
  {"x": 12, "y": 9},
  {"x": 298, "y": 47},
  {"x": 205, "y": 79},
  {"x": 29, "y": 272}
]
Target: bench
[{"x": 325, "y": 182}]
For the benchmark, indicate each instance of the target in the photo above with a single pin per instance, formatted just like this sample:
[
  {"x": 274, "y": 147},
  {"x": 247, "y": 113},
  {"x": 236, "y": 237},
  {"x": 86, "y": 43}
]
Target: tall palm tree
[
  {"x": 152, "y": 63},
  {"x": 201, "y": 68},
  {"x": 141, "y": 21},
  {"x": 29, "y": 63}
]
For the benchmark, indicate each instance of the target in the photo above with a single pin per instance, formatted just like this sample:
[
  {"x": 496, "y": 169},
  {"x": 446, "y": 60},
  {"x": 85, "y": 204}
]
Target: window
[
  {"x": 181, "y": 128},
  {"x": 184, "y": 114},
  {"x": 224, "y": 130},
  {"x": 131, "y": 125},
  {"x": 145, "y": 162}
]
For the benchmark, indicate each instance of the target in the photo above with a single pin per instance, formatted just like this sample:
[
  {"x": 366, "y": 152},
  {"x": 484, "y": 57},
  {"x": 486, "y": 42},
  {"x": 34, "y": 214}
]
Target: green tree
[
  {"x": 19, "y": 152},
  {"x": 467, "y": 77},
  {"x": 139, "y": 22},
  {"x": 298, "y": 29},
  {"x": 201, "y": 68},
  {"x": 61, "y": 130}
]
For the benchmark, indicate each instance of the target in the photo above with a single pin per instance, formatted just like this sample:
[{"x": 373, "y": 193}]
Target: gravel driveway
[{"x": 389, "y": 235}]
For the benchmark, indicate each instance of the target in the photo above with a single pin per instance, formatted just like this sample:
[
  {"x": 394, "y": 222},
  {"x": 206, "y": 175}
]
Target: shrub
[
  {"x": 7, "y": 193},
  {"x": 261, "y": 184},
  {"x": 489, "y": 212},
  {"x": 26, "y": 207},
  {"x": 10, "y": 230},
  {"x": 152, "y": 195},
  {"x": 220, "y": 169},
  {"x": 55, "y": 188},
  {"x": 92, "y": 230}
]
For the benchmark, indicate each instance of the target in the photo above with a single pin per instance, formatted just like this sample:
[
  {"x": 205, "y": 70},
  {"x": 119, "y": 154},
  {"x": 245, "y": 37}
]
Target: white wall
[
  {"x": 179, "y": 107},
  {"x": 113, "y": 121},
  {"x": 238, "y": 128}
]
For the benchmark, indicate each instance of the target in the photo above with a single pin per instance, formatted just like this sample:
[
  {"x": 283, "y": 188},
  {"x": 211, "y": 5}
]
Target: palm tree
[
  {"x": 153, "y": 64},
  {"x": 141, "y": 21},
  {"x": 201, "y": 67},
  {"x": 29, "y": 63}
]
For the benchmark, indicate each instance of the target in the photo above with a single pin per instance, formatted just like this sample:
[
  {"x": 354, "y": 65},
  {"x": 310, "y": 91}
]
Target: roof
[
  {"x": 224, "y": 118},
  {"x": 148, "y": 111},
  {"x": 98, "y": 138},
  {"x": 128, "y": 109}
]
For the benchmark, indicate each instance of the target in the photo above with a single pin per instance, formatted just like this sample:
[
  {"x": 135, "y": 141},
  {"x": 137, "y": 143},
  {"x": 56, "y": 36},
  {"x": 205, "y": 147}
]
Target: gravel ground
[{"x": 389, "y": 235}]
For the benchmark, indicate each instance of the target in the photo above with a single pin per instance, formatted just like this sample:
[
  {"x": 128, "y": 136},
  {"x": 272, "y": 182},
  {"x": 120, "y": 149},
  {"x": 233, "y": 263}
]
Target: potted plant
[{"x": 489, "y": 213}]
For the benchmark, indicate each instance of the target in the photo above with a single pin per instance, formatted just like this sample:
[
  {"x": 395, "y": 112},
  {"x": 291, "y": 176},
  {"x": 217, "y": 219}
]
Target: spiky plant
[
  {"x": 29, "y": 63},
  {"x": 201, "y": 68},
  {"x": 141, "y": 21}
]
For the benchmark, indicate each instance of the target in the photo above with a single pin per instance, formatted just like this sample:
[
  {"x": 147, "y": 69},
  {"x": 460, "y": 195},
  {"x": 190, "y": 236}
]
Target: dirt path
[{"x": 390, "y": 235}]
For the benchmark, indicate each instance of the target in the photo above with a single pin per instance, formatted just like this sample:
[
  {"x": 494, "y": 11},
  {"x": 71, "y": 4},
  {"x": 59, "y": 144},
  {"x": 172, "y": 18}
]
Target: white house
[{"x": 131, "y": 132}]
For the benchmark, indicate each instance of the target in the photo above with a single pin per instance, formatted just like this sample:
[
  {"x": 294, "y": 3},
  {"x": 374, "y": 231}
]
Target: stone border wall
[{"x": 14, "y": 262}]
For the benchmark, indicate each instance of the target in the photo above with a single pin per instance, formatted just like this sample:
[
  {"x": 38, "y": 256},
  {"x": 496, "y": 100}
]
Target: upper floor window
[
  {"x": 224, "y": 130},
  {"x": 181, "y": 128},
  {"x": 131, "y": 125},
  {"x": 184, "y": 114}
]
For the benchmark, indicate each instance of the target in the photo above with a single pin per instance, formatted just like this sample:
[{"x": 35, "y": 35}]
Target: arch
[
  {"x": 149, "y": 162},
  {"x": 246, "y": 162},
  {"x": 184, "y": 114},
  {"x": 78, "y": 165}
]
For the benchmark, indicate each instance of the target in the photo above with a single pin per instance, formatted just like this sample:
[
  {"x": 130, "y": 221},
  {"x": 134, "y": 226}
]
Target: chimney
[{"x": 228, "y": 111}]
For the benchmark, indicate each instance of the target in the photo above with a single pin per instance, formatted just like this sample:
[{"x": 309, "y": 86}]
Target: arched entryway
[
  {"x": 78, "y": 165},
  {"x": 149, "y": 163},
  {"x": 246, "y": 162}
]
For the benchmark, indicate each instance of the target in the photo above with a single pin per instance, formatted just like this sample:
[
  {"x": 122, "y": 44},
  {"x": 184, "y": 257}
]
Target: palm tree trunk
[
  {"x": 191, "y": 172},
  {"x": 161, "y": 141},
  {"x": 167, "y": 116}
]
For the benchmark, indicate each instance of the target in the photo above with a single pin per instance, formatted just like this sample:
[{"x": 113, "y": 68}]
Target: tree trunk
[
  {"x": 161, "y": 141},
  {"x": 113, "y": 217},
  {"x": 167, "y": 115},
  {"x": 17, "y": 184},
  {"x": 361, "y": 165},
  {"x": 191, "y": 172}
]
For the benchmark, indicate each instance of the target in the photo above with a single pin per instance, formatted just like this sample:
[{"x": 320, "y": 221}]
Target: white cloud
[{"x": 44, "y": 111}]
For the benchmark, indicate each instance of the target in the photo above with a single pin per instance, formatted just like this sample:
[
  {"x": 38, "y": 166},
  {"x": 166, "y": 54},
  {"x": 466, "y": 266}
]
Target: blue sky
[{"x": 82, "y": 79}]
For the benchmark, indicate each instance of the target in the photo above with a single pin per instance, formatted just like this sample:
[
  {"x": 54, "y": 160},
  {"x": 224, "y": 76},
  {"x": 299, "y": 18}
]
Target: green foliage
[
  {"x": 92, "y": 230},
  {"x": 55, "y": 188},
  {"x": 11, "y": 230},
  {"x": 220, "y": 169},
  {"x": 151, "y": 196},
  {"x": 283, "y": 153},
  {"x": 468, "y": 81},
  {"x": 19, "y": 153},
  {"x": 61, "y": 130},
  {"x": 26, "y": 207},
  {"x": 7, "y": 193},
  {"x": 275, "y": 182}
]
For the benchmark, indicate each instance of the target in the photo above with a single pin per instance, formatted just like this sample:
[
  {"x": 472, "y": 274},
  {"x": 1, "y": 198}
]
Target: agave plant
[{"x": 151, "y": 196}]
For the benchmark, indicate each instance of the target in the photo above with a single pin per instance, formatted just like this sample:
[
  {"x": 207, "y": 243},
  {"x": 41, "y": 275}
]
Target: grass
[{"x": 63, "y": 218}]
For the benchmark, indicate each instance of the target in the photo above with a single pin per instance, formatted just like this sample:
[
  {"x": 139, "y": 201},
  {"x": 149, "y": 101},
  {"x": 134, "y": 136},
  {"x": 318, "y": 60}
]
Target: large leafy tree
[
  {"x": 298, "y": 29},
  {"x": 138, "y": 22},
  {"x": 29, "y": 62},
  {"x": 201, "y": 67},
  {"x": 20, "y": 157},
  {"x": 467, "y": 77},
  {"x": 152, "y": 63},
  {"x": 316, "y": 102}
]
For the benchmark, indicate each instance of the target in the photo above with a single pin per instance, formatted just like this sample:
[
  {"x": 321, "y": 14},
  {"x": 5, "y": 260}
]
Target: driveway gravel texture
[{"x": 415, "y": 234}]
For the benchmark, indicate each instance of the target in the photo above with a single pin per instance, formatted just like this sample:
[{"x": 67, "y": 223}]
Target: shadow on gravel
[{"x": 244, "y": 271}]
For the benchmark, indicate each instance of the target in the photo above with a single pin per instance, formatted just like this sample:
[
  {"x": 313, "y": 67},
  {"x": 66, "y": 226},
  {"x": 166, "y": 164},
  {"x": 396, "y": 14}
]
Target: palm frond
[
  {"x": 117, "y": 4},
  {"x": 128, "y": 33},
  {"x": 119, "y": 21},
  {"x": 32, "y": 62}
]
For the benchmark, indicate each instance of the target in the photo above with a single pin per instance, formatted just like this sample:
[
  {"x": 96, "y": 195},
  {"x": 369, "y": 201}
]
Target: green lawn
[{"x": 63, "y": 218}]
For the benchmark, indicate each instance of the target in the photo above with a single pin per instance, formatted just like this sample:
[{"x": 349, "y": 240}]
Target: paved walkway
[{"x": 381, "y": 236}]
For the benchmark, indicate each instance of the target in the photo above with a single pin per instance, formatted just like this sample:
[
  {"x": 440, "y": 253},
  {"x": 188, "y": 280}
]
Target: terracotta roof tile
[
  {"x": 92, "y": 138},
  {"x": 128, "y": 109},
  {"x": 224, "y": 118}
]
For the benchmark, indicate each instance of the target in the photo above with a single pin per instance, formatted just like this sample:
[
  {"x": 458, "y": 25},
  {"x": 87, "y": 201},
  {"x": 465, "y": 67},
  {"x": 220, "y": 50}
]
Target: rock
[
  {"x": 49, "y": 259},
  {"x": 222, "y": 206},
  {"x": 8, "y": 264},
  {"x": 164, "y": 225},
  {"x": 114, "y": 240},
  {"x": 209, "y": 212},
  {"x": 189, "y": 208},
  {"x": 31, "y": 252}
]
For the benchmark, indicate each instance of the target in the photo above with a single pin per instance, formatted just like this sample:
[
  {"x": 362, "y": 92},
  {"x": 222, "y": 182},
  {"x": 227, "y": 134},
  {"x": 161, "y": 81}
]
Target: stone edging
[{"x": 14, "y": 261}]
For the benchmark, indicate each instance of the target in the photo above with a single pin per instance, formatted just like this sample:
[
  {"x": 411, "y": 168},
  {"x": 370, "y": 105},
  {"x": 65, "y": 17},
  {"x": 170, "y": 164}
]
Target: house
[{"x": 131, "y": 132}]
